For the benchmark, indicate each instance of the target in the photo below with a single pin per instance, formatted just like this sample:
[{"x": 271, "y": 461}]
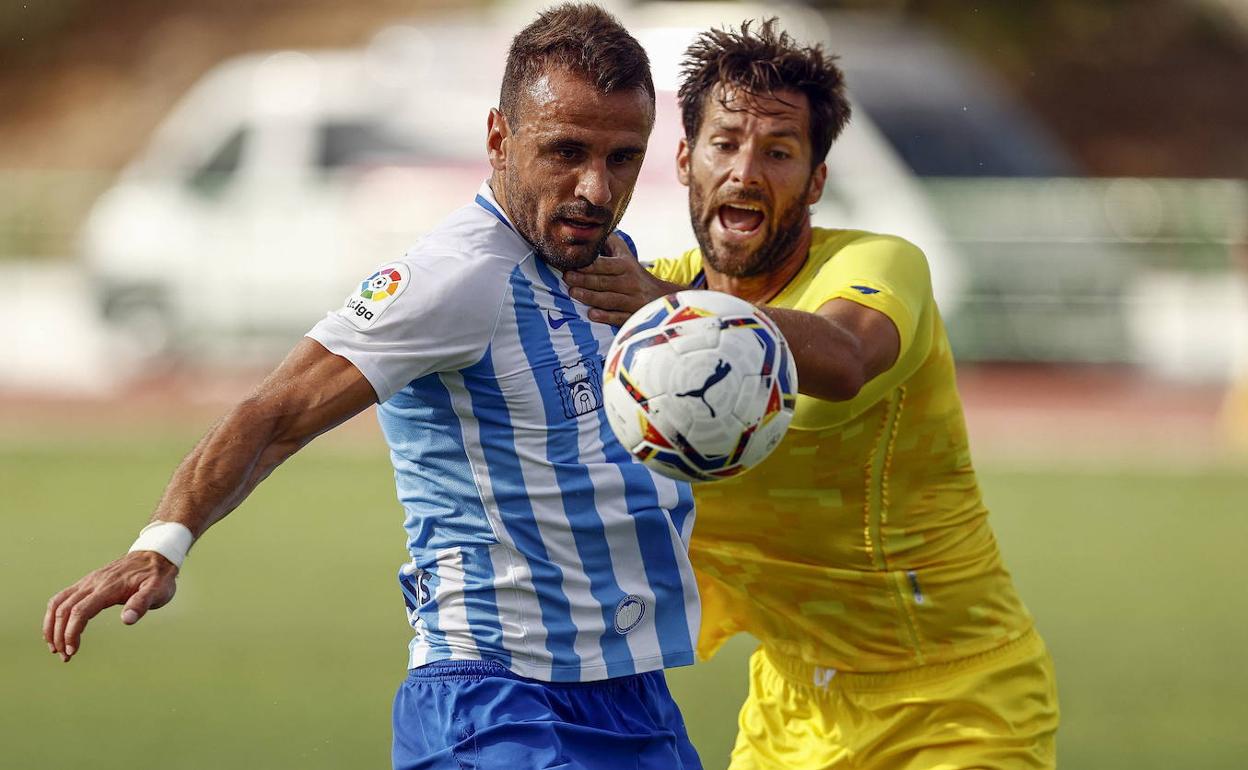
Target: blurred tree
[
  {"x": 27, "y": 23},
  {"x": 83, "y": 83},
  {"x": 1135, "y": 87}
]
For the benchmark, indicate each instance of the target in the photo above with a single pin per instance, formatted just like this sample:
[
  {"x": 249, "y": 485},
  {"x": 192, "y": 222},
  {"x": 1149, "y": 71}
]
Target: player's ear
[
  {"x": 682, "y": 161},
  {"x": 817, "y": 180},
  {"x": 497, "y": 132}
]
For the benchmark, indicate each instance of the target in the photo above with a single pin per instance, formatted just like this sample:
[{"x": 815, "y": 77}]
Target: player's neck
[
  {"x": 500, "y": 194},
  {"x": 763, "y": 287}
]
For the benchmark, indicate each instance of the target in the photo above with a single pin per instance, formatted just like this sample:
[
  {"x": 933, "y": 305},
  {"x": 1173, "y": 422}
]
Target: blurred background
[{"x": 186, "y": 186}]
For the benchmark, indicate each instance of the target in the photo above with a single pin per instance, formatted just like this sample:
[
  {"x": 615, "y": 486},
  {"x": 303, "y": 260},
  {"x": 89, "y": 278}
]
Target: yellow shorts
[{"x": 994, "y": 710}]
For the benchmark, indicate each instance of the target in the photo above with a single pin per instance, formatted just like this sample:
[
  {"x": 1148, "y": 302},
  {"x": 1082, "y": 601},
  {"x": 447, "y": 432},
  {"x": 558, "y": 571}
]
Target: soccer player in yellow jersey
[{"x": 859, "y": 552}]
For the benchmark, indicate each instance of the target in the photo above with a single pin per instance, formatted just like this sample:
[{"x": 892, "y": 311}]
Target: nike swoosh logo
[{"x": 557, "y": 321}]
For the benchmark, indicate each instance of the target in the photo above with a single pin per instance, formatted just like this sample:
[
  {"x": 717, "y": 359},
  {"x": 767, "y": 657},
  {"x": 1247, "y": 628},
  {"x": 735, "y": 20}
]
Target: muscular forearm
[
  {"x": 829, "y": 358},
  {"x": 839, "y": 348},
  {"x": 311, "y": 392},
  {"x": 283, "y": 414},
  {"x": 225, "y": 466}
]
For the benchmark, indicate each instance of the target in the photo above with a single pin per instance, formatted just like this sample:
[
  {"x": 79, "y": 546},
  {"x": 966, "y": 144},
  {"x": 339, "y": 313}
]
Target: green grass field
[{"x": 287, "y": 639}]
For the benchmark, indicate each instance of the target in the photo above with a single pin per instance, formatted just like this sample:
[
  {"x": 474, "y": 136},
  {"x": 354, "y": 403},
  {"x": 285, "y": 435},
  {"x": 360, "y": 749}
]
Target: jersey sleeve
[
  {"x": 887, "y": 274},
  {"x": 882, "y": 272},
  {"x": 429, "y": 312}
]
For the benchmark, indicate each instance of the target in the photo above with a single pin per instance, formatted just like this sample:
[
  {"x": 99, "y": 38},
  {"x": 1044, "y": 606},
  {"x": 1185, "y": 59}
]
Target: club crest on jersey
[
  {"x": 628, "y": 613},
  {"x": 376, "y": 293},
  {"x": 580, "y": 386}
]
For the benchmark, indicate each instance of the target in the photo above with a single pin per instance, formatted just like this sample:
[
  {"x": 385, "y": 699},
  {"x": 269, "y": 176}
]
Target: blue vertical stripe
[
  {"x": 498, "y": 444},
  {"x": 427, "y": 440},
  {"x": 658, "y": 548},
  {"x": 576, "y": 488},
  {"x": 684, "y": 504}
]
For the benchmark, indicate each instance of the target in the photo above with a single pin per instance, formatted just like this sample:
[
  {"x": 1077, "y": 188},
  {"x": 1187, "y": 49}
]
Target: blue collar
[{"x": 484, "y": 203}]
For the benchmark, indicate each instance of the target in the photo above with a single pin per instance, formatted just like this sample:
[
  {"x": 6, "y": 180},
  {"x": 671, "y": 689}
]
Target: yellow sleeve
[
  {"x": 681, "y": 270},
  {"x": 882, "y": 272},
  {"x": 887, "y": 274}
]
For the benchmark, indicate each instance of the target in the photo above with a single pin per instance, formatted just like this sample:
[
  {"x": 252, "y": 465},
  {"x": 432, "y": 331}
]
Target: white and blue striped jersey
[{"x": 536, "y": 540}]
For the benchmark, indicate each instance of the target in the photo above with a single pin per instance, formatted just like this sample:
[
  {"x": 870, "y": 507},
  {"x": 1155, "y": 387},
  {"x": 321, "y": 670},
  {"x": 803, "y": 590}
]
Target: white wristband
[{"x": 167, "y": 538}]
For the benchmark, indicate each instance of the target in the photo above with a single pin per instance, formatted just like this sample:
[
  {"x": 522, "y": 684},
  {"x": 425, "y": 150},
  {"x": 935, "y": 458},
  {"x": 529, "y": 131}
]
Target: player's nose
[
  {"x": 746, "y": 168},
  {"x": 594, "y": 185}
]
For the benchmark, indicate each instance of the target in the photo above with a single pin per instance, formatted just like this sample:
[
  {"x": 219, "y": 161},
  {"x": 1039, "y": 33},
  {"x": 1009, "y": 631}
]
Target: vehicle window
[
  {"x": 210, "y": 178},
  {"x": 355, "y": 143}
]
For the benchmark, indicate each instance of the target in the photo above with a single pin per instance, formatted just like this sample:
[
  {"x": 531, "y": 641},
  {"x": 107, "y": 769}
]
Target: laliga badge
[{"x": 376, "y": 293}]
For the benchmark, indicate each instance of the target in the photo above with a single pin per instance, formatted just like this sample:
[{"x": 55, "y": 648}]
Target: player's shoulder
[
  {"x": 681, "y": 269},
  {"x": 472, "y": 237},
  {"x": 864, "y": 248},
  {"x": 828, "y": 241},
  {"x": 464, "y": 261},
  {"x": 470, "y": 254}
]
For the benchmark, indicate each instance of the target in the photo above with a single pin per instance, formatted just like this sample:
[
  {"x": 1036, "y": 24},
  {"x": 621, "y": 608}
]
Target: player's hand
[
  {"x": 141, "y": 580},
  {"x": 615, "y": 285}
]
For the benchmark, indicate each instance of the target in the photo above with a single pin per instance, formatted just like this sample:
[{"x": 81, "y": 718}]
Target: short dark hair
[
  {"x": 581, "y": 38},
  {"x": 760, "y": 63}
]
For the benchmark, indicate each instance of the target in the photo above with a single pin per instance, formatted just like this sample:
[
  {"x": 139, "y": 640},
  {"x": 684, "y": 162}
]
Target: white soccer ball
[{"x": 699, "y": 385}]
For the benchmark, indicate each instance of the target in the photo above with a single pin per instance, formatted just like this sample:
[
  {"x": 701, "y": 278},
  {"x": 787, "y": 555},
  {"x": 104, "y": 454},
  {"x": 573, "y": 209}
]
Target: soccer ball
[{"x": 699, "y": 385}]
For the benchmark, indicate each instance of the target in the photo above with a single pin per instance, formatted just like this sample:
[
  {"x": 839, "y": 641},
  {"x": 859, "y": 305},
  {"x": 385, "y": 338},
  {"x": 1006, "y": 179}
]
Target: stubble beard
[
  {"x": 784, "y": 235},
  {"x": 523, "y": 210}
]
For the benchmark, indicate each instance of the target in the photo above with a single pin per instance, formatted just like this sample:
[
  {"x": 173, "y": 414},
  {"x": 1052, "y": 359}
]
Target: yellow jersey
[{"x": 862, "y": 543}]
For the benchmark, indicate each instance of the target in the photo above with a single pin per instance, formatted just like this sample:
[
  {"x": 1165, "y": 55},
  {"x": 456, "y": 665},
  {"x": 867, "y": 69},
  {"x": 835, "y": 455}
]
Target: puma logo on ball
[{"x": 721, "y": 371}]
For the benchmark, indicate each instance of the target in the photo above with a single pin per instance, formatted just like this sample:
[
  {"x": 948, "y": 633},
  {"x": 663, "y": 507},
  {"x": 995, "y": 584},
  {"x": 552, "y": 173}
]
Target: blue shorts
[{"x": 465, "y": 715}]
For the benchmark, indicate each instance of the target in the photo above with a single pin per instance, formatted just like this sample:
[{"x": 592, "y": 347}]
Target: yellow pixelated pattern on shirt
[{"x": 862, "y": 543}]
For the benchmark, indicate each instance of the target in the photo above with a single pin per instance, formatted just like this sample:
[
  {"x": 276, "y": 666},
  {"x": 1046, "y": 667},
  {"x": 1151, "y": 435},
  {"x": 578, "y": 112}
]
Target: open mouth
[{"x": 743, "y": 217}]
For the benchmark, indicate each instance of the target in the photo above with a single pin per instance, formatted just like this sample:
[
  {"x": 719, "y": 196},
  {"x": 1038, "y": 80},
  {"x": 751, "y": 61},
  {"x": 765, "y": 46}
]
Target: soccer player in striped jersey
[
  {"x": 549, "y": 583},
  {"x": 859, "y": 553}
]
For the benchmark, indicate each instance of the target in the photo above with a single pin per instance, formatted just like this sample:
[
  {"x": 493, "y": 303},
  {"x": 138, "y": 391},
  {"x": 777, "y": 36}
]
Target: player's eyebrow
[
  {"x": 565, "y": 141},
  {"x": 630, "y": 149},
  {"x": 722, "y": 124},
  {"x": 791, "y": 133},
  {"x": 561, "y": 142}
]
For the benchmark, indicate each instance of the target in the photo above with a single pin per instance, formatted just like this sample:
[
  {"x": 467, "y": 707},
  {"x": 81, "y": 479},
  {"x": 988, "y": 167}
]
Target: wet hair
[
  {"x": 580, "y": 38},
  {"x": 762, "y": 63}
]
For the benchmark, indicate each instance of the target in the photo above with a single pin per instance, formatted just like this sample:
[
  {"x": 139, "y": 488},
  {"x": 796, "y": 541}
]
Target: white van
[{"x": 282, "y": 178}]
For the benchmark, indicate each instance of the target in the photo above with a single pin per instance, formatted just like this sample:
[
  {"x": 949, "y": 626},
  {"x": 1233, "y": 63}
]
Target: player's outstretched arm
[
  {"x": 310, "y": 392},
  {"x": 839, "y": 348},
  {"x": 615, "y": 285}
]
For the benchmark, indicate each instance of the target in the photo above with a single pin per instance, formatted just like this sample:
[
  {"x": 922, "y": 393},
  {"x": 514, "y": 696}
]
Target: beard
[
  {"x": 563, "y": 254},
  {"x": 785, "y": 229}
]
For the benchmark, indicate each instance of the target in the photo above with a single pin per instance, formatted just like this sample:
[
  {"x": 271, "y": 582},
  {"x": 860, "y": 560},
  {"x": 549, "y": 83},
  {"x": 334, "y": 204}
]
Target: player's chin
[
  {"x": 734, "y": 260},
  {"x": 574, "y": 256}
]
